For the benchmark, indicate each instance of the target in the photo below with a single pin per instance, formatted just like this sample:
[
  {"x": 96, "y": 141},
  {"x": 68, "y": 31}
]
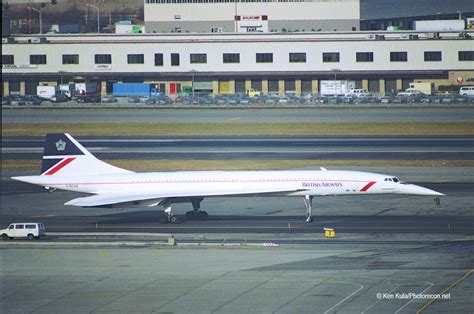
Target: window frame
[
  {"x": 331, "y": 57},
  {"x": 198, "y": 58},
  {"x": 40, "y": 59},
  {"x": 135, "y": 58},
  {"x": 75, "y": 58},
  {"x": 5, "y": 61},
  {"x": 230, "y": 57},
  {"x": 294, "y": 57},
  {"x": 365, "y": 54},
  {"x": 107, "y": 57},
  {"x": 428, "y": 56},
  {"x": 264, "y": 57},
  {"x": 160, "y": 58},
  {"x": 395, "y": 56},
  {"x": 466, "y": 55},
  {"x": 175, "y": 59}
]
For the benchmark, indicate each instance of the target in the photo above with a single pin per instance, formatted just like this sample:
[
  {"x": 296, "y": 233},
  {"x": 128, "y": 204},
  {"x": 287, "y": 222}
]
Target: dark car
[{"x": 88, "y": 99}]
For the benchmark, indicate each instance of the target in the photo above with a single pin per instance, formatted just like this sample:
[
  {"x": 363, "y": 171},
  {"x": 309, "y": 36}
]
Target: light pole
[
  {"x": 335, "y": 80},
  {"x": 40, "y": 18},
  {"x": 192, "y": 77},
  {"x": 98, "y": 13}
]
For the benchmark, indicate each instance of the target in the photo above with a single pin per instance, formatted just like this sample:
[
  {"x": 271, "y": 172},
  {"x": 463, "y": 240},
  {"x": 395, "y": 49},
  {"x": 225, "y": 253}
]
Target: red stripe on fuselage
[
  {"x": 59, "y": 166},
  {"x": 367, "y": 186}
]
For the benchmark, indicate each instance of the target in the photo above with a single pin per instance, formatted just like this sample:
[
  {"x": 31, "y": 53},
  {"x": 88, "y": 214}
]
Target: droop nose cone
[{"x": 418, "y": 190}]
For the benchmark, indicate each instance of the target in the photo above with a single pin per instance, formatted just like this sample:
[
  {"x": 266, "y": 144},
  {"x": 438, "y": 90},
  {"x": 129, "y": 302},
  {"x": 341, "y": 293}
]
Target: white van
[
  {"x": 356, "y": 92},
  {"x": 467, "y": 91},
  {"x": 29, "y": 230}
]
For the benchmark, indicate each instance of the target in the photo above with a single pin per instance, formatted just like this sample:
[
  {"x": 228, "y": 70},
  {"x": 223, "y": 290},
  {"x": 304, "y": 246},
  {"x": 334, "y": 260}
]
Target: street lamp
[
  {"x": 98, "y": 12},
  {"x": 192, "y": 77},
  {"x": 335, "y": 80},
  {"x": 40, "y": 18}
]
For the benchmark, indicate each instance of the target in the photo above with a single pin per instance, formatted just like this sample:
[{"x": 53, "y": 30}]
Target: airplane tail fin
[{"x": 64, "y": 156}]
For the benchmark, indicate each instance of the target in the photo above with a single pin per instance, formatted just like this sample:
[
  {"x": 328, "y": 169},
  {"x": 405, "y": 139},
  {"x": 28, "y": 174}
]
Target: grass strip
[
  {"x": 239, "y": 128},
  {"x": 194, "y": 165}
]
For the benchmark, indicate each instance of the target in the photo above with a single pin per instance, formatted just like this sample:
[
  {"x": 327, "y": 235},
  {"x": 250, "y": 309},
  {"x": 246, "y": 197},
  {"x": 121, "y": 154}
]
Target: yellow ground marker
[{"x": 424, "y": 307}]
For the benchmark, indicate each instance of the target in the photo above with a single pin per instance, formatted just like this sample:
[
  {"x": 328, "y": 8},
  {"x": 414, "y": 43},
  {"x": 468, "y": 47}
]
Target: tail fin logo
[{"x": 60, "y": 145}]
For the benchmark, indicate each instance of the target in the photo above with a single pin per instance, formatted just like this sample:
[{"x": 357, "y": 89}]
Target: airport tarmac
[
  {"x": 256, "y": 147},
  {"x": 241, "y": 115},
  {"x": 390, "y": 254}
]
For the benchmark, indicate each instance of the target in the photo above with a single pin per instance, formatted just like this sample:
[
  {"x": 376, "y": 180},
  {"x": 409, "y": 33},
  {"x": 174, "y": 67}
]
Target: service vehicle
[
  {"x": 426, "y": 88},
  {"x": 467, "y": 91},
  {"x": 253, "y": 93},
  {"x": 135, "y": 90},
  {"x": 336, "y": 88},
  {"x": 28, "y": 230}
]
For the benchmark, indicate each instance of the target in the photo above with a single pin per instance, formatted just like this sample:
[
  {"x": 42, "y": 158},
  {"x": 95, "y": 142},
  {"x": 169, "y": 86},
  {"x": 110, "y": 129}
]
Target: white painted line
[
  {"x": 413, "y": 299},
  {"x": 346, "y": 298},
  {"x": 373, "y": 304}
]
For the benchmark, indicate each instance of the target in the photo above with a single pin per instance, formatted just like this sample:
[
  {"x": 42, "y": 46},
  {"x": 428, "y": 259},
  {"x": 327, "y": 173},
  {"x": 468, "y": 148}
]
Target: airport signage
[
  {"x": 19, "y": 66},
  {"x": 103, "y": 67}
]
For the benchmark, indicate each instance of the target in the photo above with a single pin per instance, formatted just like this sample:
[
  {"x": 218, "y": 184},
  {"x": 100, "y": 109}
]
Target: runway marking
[
  {"x": 466, "y": 274},
  {"x": 376, "y": 302},
  {"x": 413, "y": 299},
  {"x": 346, "y": 298},
  {"x": 233, "y": 119}
]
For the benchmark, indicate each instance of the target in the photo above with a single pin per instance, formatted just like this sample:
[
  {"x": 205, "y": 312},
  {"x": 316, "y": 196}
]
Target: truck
[
  {"x": 426, "y": 88},
  {"x": 135, "y": 90},
  {"x": 439, "y": 25},
  {"x": 86, "y": 88},
  {"x": 336, "y": 88},
  {"x": 253, "y": 93}
]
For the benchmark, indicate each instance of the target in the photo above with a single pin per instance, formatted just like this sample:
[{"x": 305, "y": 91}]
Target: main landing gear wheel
[
  {"x": 308, "y": 203},
  {"x": 196, "y": 215}
]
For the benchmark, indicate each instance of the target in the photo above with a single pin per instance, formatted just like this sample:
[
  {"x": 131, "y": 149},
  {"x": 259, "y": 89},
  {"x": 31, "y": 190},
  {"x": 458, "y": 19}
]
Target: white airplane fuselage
[{"x": 299, "y": 183}]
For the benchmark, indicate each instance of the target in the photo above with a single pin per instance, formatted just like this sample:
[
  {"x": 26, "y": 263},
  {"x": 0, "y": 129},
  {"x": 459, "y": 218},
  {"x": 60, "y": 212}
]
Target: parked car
[
  {"x": 28, "y": 230},
  {"x": 88, "y": 98}
]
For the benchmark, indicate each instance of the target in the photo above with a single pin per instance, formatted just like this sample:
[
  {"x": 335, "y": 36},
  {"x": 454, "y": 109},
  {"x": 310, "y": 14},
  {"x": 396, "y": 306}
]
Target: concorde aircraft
[{"x": 67, "y": 165}]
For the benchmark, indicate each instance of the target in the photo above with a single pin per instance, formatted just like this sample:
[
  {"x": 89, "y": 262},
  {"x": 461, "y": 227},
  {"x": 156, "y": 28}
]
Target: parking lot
[{"x": 243, "y": 100}]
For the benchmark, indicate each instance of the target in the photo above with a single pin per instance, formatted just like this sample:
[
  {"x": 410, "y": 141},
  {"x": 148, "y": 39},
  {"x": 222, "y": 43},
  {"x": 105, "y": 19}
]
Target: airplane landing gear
[
  {"x": 308, "y": 202},
  {"x": 168, "y": 216},
  {"x": 196, "y": 214}
]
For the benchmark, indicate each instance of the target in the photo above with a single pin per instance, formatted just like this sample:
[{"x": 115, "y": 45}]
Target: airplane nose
[{"x": 418, "y": 190}]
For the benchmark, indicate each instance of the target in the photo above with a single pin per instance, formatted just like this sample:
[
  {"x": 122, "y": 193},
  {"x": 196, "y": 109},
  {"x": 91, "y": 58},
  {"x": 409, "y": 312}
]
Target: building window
[
  {"x": 70, "y": 59},
  {"x": 466, "y": 55},
  {"x": 7, "y": 59},
  {"x": 398, "y": 56},
  {"x": 364, "y": 57},
  {"x": 136, "y": 59},
  {"x": 198, "y": 58},
  {"x": 264, "y": 57},
  {"x": 231, "y": 58},
  {"x": 175, "y": 59},
  {"x": 297, "y": 57},
  {"x": 330, "y": 56},
  {"x": 103, "y": 59},
  {"x": 432, "y": 55},
  {"x": 158, "y": 59},
  {"x": 37, "y": 59}
]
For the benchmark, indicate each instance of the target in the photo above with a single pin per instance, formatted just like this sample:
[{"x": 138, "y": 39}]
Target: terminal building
[{"x": 227, "y": 63}]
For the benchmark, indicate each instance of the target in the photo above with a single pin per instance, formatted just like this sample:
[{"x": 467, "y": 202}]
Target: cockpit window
[{"x": 395, "y": 179}]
